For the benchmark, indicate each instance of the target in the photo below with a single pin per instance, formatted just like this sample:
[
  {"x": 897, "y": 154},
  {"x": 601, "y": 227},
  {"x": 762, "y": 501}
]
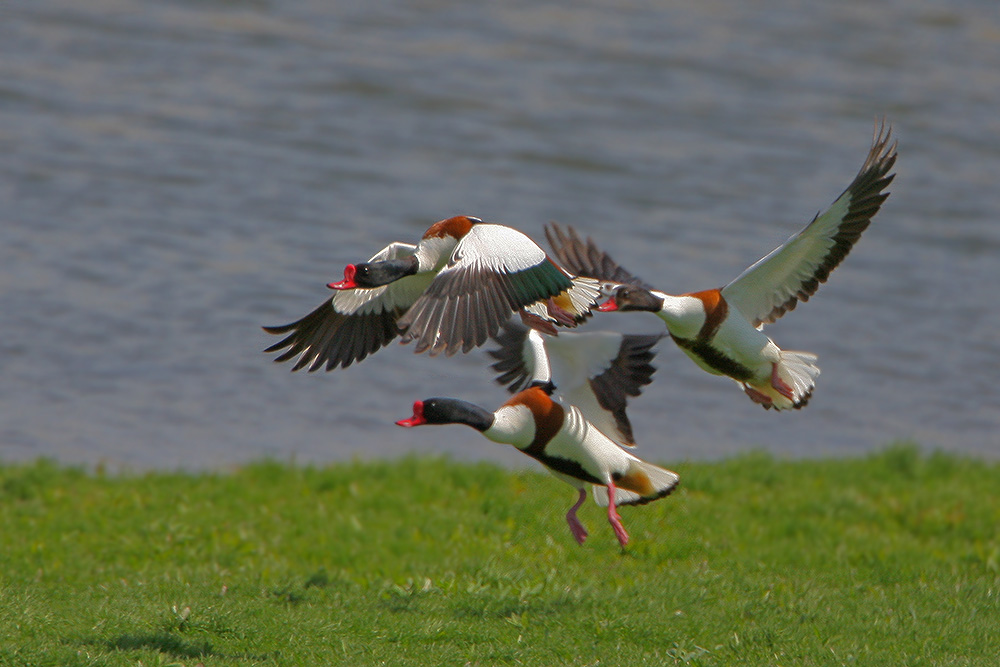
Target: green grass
[{"x": 892, "y": 559}]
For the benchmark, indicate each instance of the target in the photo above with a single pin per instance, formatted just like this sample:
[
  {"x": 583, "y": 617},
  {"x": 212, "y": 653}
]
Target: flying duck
[
  {"x": 595, "y": 371},
  {"x": 570, "y": 447},
  {"x": 720, "y": 329},
  {"x": 449, "y": 292}
]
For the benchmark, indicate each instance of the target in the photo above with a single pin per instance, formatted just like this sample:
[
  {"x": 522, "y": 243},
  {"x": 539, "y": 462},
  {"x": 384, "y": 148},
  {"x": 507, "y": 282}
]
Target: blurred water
[{"x": 174, "y": 174}]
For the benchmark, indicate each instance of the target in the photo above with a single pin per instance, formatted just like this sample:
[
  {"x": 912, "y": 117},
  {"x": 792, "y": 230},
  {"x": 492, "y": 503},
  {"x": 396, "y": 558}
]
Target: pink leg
[
  {"x": 535, "y": 322},
  {"x": 560, "y": 315},
  {"x": 780, "y": 385},
  {"x": 575, "y": 527},
  {"x": 757, "y": 396},
  {"x": 614, "y": 519}
]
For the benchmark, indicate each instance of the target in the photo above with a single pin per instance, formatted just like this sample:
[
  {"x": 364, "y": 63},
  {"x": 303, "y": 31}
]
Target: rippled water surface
[{"x": 174, "y": 174}]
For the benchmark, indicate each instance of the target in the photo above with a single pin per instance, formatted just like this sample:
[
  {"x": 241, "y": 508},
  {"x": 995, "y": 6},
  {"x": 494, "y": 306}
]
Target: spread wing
[
  {"x": 493, "y": 272},
  {"x": 597, "y": 372},
  {"x": 794, "y": 270},
  {"x": 352, "y": 323},
  {"x": 586, "y": 259}
]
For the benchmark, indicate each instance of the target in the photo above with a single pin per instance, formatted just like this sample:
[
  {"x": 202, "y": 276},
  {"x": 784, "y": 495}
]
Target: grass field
[{"x": 892, "y": 559}]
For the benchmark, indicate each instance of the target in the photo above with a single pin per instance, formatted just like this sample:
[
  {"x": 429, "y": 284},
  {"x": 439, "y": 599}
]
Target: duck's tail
[
  {"x": 642, "y": 483},
  {"x": 791, "y": 384}
]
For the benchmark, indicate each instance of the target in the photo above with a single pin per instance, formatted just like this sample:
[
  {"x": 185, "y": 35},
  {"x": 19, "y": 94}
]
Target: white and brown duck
[
  {"x": 449, "y": 292},
  {"x": 720, "y": 329},
  {"x": 570, "y": 447}
]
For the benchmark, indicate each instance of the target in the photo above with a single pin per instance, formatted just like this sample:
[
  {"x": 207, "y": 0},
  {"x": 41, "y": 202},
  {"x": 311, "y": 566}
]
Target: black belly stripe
[
  {"x": 566, "y": 467},
  {"x": 715, "y": 359}
]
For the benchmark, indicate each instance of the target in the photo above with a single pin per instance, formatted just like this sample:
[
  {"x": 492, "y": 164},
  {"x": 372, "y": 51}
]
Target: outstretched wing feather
[
  {"x": 586, "y": 258},
  {"x": 794, "y": 271},
  {"x": 352, "y": 323}
]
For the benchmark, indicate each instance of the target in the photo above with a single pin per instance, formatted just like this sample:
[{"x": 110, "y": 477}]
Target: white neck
[
  {"x": 684, "y": 315},
  {"x": 512, "y": 425}
]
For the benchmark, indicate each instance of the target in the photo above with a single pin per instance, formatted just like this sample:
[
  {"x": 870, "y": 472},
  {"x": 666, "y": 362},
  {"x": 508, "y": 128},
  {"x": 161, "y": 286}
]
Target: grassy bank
[{"x": 888, "y": 560}]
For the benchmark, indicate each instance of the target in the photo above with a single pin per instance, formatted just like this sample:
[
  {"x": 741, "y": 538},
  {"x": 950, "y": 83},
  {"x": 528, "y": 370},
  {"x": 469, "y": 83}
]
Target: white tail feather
[
  {"x": 799, "y": 371},
  {"x": 583, "y": 296},
  {"x": 642, "y": 483},
  {"x": 622, "y": 496}
]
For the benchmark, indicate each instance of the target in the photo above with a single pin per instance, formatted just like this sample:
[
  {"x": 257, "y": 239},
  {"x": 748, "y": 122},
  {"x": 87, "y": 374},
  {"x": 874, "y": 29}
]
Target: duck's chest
[
  {"x": 566, "y": 448},
  {"x": 724, "y": 343},
  {"x": 572, "y": 450}
]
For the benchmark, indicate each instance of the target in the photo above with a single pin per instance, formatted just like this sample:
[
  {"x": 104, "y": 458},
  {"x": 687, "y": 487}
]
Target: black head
[
  {"x": 376, "y": 274},
  {"x": 448, "y": 411},
  {"x": 631, "y": 297}
]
